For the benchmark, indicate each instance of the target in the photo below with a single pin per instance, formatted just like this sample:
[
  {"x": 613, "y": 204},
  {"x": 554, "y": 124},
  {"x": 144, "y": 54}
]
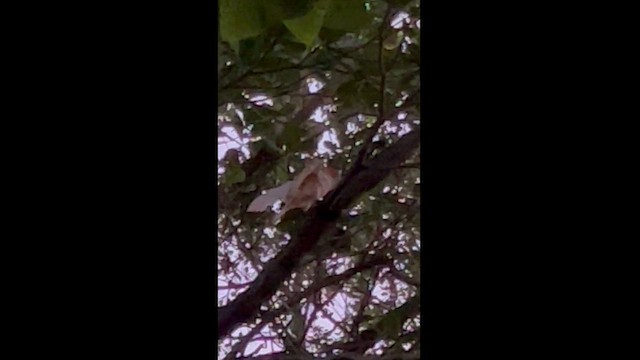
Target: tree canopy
[{"x": 325, "y": 91}]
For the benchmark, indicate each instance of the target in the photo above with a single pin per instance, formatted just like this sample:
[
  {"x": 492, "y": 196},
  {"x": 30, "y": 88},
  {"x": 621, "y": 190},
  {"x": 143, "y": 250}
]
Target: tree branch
[
  {"x": 320, "y": 218},
  {"x": 267, "y": 317}
]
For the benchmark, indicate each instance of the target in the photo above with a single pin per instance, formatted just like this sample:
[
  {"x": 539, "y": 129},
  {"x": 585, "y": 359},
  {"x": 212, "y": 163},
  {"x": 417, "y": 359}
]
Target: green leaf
[
  {"x": 358, "y": 94},
  {"x": 390, "y": 325},
  {"x": 369, "y": 120},
  {"x": 368, "y": 94},
  {"x": 325, "y": 60},
  {"x": 234, "y": 175},
  {"x": 347, "y": 92},
  {"x": 239, "y": 19},
  {"x": 296, "y": 327},
  {"x": 278, "y": 10},
  {"x": 359, "y": 241},
  {"x": 347, "y": 15},
  {"x": 393, "y": 41},
  {"x": 270, "y": 146},
  {"x": 249, "y": 188},
  {"x": 307, "y": 27},
  {"x": 330, "y": 35},
  {"x": 398, "y": 3},
  {"x": 290, "y": 136},
  {"x": 282, "y": 174},
  {"x": 235, "y": 46}
]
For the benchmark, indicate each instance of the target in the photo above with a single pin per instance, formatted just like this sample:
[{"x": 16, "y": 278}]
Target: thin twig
[
  {"x": 359, "y": 161},
  {"x": 413, "y": 165},
  {"x": 295, "y": 299}
]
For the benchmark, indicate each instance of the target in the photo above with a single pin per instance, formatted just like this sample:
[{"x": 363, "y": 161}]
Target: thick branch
[
  {"x": 319, "y": 220},
  {"x": 295, "y": 299}
]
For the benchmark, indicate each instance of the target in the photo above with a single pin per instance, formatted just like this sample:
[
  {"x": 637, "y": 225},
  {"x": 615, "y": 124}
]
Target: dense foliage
[{"x": 336, "y": 80}]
